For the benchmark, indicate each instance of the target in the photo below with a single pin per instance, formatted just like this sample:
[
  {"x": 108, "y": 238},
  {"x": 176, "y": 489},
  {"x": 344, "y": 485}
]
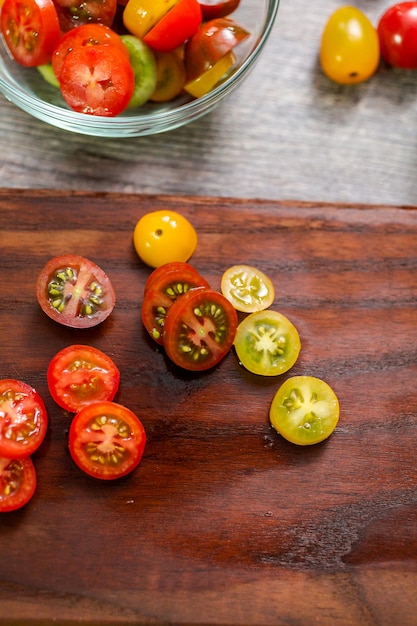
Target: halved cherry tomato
[
  {"x": 267, "y": 343},
  {"x": 204, "y": 83},
  {"x": 74, "y": 291},
  {"x": 163, "y": 291},
  {"x": 212, "y": 9},
  {"x": 79, "y": 375},
  {"x": 30, "y": 30},
  {"x": 17, "y": 483},
  {"x": 170, "y": 76},
  {"x": 97, "y": 80},
  {"x": 23, "y": 419},
  {"x": 163, "y": 236},
  {"x": 139, "y": 16},
  {"x": 212, "y": 41},
  {"x": 74, "y": 13},
  {"x": 304, "y": 410},
  {"x": 397, "y": 31},
  {"x": 170, "y": 268},
  {"x": 85, "y": 35},
  {"x": 247, "y": 288},
  {"x": 199, "y": 329},
  {"x": 106, "y": 440},
  {"x": 175, "y": 27}
]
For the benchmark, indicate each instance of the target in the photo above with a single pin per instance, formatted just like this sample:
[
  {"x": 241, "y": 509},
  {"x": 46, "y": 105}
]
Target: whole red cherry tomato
[{"x": 397, "y": 31}]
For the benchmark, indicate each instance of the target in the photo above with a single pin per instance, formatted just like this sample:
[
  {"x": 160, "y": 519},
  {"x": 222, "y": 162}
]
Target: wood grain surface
[
  {"x": 287, "y": 133},
  {"x": 223, "y": 522}
]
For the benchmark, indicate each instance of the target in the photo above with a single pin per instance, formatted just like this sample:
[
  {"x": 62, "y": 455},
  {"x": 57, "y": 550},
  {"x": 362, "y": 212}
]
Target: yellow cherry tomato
[
  {"x": 164, "y": 236},
  {"x": 247, "y": 288},
  {"x": 349, "y": 51},
  {"x": 139, "y": 16}
]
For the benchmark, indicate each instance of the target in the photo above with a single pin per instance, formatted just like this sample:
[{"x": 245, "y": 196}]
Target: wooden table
[
  {"x": 288, "y": 132},
  {"x": 224, "y": 522}
]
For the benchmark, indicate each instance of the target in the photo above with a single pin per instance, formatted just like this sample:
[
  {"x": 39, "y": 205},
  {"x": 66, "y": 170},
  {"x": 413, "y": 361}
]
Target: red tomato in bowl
[
  {"x": 23, "y": 419},
  {"x": 175, "y": 27},
  {"x": 17, "y": 483},
  {"x": 212, "y": 9},
  {"x": 78, "y": 375},
  {"x": 30, "y": 30},
  {"x": 106, "y": 440},
  {"x": 397, "y": 32},
  {"x": 75, "y": 292},
  {"x": 74, "y": 13}
]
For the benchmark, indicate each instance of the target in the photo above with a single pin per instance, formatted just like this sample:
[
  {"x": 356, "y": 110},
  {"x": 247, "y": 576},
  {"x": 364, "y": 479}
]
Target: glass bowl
[{"x": 28, "y": 90}]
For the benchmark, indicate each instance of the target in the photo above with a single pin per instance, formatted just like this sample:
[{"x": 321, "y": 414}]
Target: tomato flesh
[
  {"x": 106, "y": 440},
  {"x": 247, "y": 288},
  {"x": 199, "y": 329},
  {"x": 74, "y": 291},
  {"x": 175, "y": 27},
  {"x": 305, "y": 410},
  {"x": 267, "y": 343},
  {"x": 23, "y": 419},
  {"x": 397, "y": 32},
  {"x": 17, "y": 483},
  {"x": 78, "y": 375}
]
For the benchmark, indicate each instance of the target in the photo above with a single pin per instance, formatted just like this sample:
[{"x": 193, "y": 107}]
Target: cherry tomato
[
  {"x": 199, "y": 329},
  {"x": 17, "y": 483},
  {"x": 30, "y": 30},
  {"x": 74, "y": 13},
  {"x": 163, "y": 236},
  {"x": 106, "y": 440},
  {"x": 143, "y": 63},
  {"x": 79, "y": 374},
  {"x": 97, "y": 80},
  {"x": 247, "y": 288},
  {"x": 170, "y": 76},
  {"x": 139, "y": 16},
  {"x": 204, "y": 83},
  {"x": 85, "y": 35},
  {"x": 163, "y": 291},
  {"x": 397, "y": 31},
  {"x": 267, "y": 343},
  {"x": 23, "y": 419},
  {"x": 74, "y": 291},
  {"x": 175, "y": 27},
  {"x": 304, "y": 410},
  {"x": 349, "y": 51},
  {"x": 212, "y": 9},
  {"x": 168, "y": 268},
  {"x": 212, "y": 41}
]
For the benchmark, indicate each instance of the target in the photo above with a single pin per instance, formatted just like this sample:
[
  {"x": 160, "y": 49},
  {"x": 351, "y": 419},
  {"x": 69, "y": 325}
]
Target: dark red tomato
[
  {"x": 212, "y": 41},
  {"x": 199, "y": 329},
  {"x": 17, "y": 483},
  {"x": 78, "y": 375},
  {"x": 30, "y": 30},
  {"x": 163, "y": 291},
  {"x": 23, "y": 419},
  {"x": 168, "y": 268},
  {"x": 86, "y": 35},
  {"x": 175, "y": 27},
  {"x": 74, "y": 13},
  {"x": 397, "y": 32},
  {"x": 97, "y": 80},
  {"x": 74, "y": 291},
  {"x": 106, "y": 440},
  {"x": 212, "y": 9}
]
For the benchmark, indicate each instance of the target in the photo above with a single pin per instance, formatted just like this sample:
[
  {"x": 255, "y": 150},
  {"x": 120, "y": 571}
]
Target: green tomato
[{"x": 144, "y": 69}]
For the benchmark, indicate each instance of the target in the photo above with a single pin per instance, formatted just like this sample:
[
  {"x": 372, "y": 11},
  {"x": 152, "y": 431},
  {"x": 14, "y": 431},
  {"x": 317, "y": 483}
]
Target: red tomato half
[
  {"x": 175, "y": 27},
  {"x": 79, "y": 375},
  {"x": 86, "y": 35},
  {"x": 23, "y": 419},
  {"x": 97, "y": 80},
  {"x": 174, "y": 267},
  {"x": 164, "y": 289},
  {"x": 199, "y": 329},
  {"x": 17, "y": 483},
  {"x": 213, "y": 9},
  {"x": 106, "y": 440},
  {"x": 30, "y": 30},
  {"x": 74, "y": 13},
  {"x": 397, "y": 32},
  {"x": 75, "y": 292}
]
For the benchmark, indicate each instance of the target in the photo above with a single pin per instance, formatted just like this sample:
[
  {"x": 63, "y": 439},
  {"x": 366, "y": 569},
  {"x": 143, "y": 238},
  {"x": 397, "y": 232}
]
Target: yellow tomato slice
[
  {"x": 247, "y": 288},
  {"x": 139, "y": 16},
  {"x": 170, "y": 76},
  {"x": 204, "y": 83}
]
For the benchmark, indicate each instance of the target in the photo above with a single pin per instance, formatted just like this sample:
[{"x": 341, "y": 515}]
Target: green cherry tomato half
[
  {"x": 349, "y": 51},
  {"x": 304, "y": 410},
  {"x": 164, "y": 236},
  {"x": 267, "y": 343}
]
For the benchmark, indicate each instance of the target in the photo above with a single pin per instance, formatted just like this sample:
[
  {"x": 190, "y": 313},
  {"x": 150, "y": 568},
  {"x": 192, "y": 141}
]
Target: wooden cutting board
[{"x": 224, "y": 522}]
